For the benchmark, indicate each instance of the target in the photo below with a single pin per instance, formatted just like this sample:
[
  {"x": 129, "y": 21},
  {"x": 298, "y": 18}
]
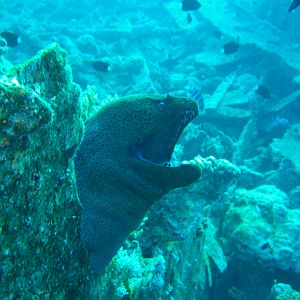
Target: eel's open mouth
[{"x": 158, "y": 147}]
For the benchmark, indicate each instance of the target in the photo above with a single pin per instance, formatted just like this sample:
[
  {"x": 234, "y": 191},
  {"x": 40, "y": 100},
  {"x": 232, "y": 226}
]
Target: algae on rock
[
  {"x": 40, "y": 109},
  {"x": 261, "y": 228}
]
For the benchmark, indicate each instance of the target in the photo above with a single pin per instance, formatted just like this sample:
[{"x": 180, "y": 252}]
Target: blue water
[{"x": 250, "y": 106}]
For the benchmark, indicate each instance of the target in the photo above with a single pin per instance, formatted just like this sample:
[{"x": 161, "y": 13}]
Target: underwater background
[{"x": 235, "y": 233}]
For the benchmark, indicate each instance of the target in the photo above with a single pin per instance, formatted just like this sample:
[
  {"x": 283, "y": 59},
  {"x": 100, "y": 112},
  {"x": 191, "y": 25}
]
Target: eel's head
[
  {"x": 141, "y": 131},
  {"x": 159, "y": 124},
  {"x": 151, "y": 126}
]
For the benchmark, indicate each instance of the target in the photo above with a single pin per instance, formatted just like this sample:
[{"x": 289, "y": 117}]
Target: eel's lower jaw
[{"x": 157, "y": 148}]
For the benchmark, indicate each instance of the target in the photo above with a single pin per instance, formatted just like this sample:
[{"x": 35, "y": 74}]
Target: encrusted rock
[
  {"x": 260, "y": 227},
  {"x": 42, "y": 255},
  {"x": 282, "y": 291}
]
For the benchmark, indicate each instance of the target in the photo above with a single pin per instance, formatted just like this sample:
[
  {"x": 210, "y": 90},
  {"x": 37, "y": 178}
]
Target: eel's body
[{"x": 122, "y": 167}]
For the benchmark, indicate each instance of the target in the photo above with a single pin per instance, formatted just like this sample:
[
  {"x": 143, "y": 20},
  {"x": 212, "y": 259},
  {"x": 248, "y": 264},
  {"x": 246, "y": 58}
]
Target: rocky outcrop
[
  {"x": 40, "y": 109},
  {"x": 261, "y": 229}
]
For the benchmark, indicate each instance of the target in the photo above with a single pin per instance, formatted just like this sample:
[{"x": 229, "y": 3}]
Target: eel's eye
[{"x": 161, "y": 105}]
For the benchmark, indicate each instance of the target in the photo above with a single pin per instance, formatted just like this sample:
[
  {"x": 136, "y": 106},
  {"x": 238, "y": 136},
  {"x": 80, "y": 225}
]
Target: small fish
[
  {"x": 294, "y": 4},
  {"x": 264, "y": 246},
  {"x": 101, "y": 66},
  {"x": 189, "y": 18},
  {"x": 263, "y": 92},
  {"x": 195, "y": 94},
  {"x": 230, "y": 48},
  {"x": 188, "y": 5},
  {"x": 11, "y": 38}
]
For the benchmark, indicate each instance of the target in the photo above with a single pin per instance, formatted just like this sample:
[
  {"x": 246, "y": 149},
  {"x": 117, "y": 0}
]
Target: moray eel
[{"x": 123, "y": 166}]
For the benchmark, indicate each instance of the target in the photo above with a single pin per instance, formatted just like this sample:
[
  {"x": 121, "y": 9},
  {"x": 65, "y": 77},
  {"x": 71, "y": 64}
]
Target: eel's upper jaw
[{"x": 158, "y": 147}]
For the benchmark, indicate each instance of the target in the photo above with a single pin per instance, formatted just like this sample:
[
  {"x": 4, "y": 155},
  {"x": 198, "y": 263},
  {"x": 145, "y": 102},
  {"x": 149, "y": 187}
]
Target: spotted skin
[{"x": 116, "y": 189}]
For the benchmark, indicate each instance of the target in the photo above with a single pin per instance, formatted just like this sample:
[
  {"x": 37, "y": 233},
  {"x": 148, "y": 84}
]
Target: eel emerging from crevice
[{"x": 123, "y": 166}]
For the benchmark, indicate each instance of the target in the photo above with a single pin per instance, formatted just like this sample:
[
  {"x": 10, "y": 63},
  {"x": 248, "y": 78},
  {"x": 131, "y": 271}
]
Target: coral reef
[
  {"x": 260, "y": 227},
  {"x": 282, "y": 291},
  {"x": 189, "y": 234},
  {"x": 232, "y": 234},
  {"x": 42, "y": 114},
  {"x": 262, "y": 33},
  {"x": 206, "y": 140}
]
